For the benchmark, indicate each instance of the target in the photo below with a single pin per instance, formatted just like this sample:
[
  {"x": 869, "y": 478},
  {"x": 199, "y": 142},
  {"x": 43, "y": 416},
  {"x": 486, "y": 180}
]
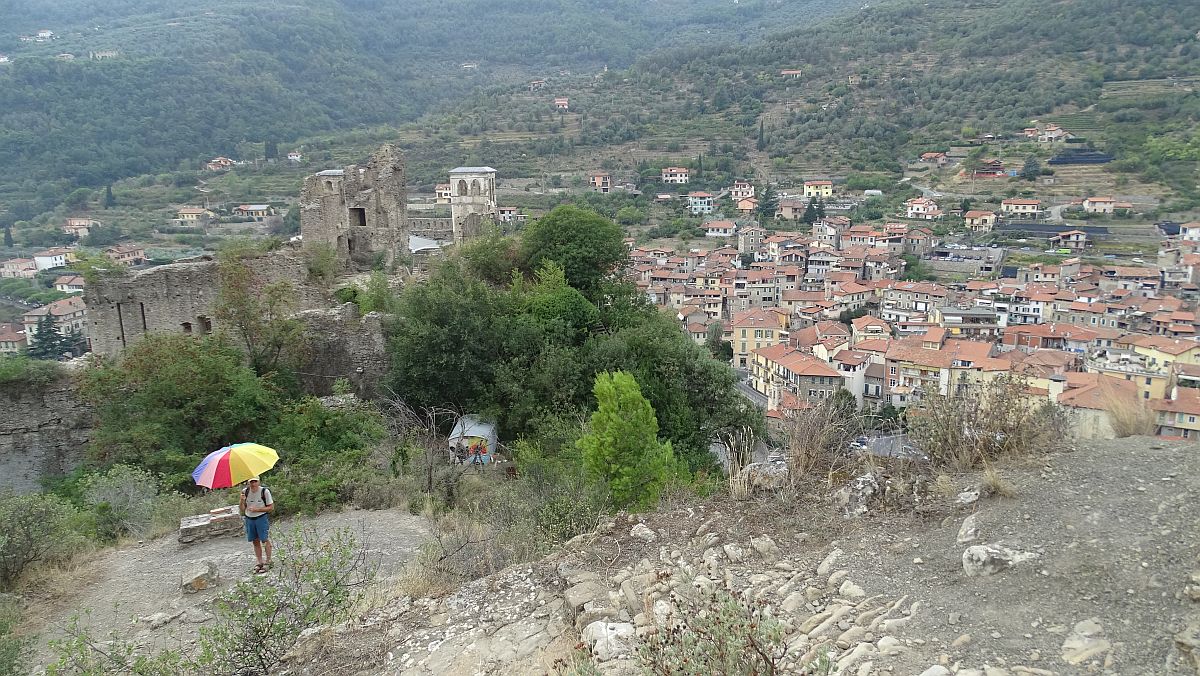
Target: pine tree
[
  {"x": 768, "y": 202},
  {"x": 621, "y": 447},
  {"x": 8, "y": 238},
  {"x": 47, "y": 343},
  {"x": 810, "y": 212},
  {"x": 109, "y": 200},
  {"x": 1032, "y": 169}
]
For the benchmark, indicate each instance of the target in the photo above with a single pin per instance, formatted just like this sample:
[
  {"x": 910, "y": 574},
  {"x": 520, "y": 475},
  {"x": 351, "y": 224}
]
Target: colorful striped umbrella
[{"x": 233, "y": 465}]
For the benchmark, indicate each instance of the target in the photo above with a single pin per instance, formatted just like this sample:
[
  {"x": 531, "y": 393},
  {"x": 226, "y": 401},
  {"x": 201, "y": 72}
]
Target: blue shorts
[{"x": 257, "y": 527}]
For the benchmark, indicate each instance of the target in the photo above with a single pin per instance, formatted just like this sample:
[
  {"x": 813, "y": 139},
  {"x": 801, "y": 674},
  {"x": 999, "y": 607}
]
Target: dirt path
[{"x": 136, "y": 587}]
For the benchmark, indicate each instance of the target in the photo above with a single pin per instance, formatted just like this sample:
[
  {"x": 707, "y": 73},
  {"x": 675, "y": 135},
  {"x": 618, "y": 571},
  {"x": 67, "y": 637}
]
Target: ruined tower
[
  {"x": 360, "y": 212},
  {"x": 472, "y": 200}
]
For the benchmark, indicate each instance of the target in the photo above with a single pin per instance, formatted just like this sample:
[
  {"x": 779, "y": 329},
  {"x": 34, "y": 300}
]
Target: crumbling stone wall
[
  {"x": 341, "y": 344},
  {"x": 440, "y": 229},
  {"x": 43, "y": 432},
  {"x": 360, "y": 212},
  {"x": 178, "y": 298}
]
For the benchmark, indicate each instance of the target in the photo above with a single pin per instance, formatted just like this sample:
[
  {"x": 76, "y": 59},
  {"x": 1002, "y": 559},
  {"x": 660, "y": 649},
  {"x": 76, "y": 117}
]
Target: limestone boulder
[
  {"x": 982, "y": 560},
  {"x": 202, "y": 578},
  {"x": 609, "y": 640}
]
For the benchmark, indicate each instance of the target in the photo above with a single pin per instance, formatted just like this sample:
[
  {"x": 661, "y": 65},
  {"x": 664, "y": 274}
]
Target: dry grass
[
  {"x": 996, "y": 485},
  {"x": 1127, "y": 417},
  {"x": 998, "y": 419},
  {"x": 943, "y": 486}
]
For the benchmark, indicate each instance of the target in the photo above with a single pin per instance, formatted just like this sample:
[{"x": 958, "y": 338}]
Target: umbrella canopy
[{"x": 233, "y": 465}]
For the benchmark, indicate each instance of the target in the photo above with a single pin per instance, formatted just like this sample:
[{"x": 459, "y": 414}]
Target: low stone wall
[
  {"x": 44, "y": 431},
  {"x": 223, "y": 522}
]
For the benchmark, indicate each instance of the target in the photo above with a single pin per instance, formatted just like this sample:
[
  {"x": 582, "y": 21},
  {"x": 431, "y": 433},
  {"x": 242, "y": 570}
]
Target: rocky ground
[
  {"x": 137, "y": 588},
  {"x": 1090, "y": 566}
]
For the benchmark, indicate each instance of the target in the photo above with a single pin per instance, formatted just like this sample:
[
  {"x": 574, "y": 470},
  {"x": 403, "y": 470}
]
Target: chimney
[
  {"x": 1058, "y": 385},
  {"x": 774, "y": 394}
]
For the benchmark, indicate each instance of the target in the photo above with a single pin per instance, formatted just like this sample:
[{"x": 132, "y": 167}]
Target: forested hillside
[
  {"x": 896, "y": 75},
  {"x": 194, "y": 79}
]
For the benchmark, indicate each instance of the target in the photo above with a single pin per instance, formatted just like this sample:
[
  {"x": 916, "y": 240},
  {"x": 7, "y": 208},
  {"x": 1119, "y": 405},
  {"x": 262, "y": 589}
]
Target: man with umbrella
[
  {"x": 233, "y": 465},
  {"x": 256, "y": 504}
]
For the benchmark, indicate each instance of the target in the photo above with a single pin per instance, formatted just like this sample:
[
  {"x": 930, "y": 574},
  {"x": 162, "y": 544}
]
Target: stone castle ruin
[
  {"x": 359, "y": 212},
  {"x": 472, "y": 200}
]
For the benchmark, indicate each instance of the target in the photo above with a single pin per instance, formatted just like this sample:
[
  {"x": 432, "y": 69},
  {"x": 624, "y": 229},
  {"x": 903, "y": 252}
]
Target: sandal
[{"x": 259, "y": 569}]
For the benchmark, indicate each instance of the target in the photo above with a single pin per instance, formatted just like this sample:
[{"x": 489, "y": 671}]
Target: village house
[
  {"x": 1076, "y": 240},
  {"x": 255, "y": 212},
  {"x": 815, "y": 189},
  {"x": 790, "y": 209},
  {"x": 792, "y": 73},
  {"x": 922, "y": 208},
  {"x": 741, "y": 190},
  {"x": 1190, "y": 232},
  {"x": 509, "y": 215},
  {"x": 220, "y": 164},
  {"x": 295, "y": 156},
  {"x": 675, "y": 175},
  {"x": 56, "y": 257},
  {"x": 930, "y": 364},
  {"x": 69, "y": 316},
  {"x": 803, "y": 375},
  {"x": 1021, "y": 208},
  {"x": 990, "y": 168},
  {"x": 69, "y": 284},
  {"x": 747, "y": 206},
  {"x": 1179, "y": 416},
  {"x": 442, "y": 193},
  {"x": 12, "y": 338},
  {"x": 601, "y": 182},
  {"x": 754, "y": 329},
  {"x": 80, "y": 227},
  {"x": 1099, "y": 205},
  {"x": 936, "y": 158},
  {"x": 980, "y": 221},
  {"x": 904, "y": 300},
  {"x": 1052, "y": 133},
  {"x": 868, "y": 328},
  {"x": 719, "y": 229},
  {"x": 750, "y": 238},
  {"x": 971, "y": 323},
  {"x": 700, "y": 203},
  {"x": 126, "y": 254},
  {"x": 193, "y": 215},
  {"x": 562, "y": 103},
  {"x": 18, "y": 268}
]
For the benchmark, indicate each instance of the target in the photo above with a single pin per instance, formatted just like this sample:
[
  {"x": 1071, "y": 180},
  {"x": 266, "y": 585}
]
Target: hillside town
[
  {"x": 807, "y": 313},
  {"x": 807, "y": 309}
]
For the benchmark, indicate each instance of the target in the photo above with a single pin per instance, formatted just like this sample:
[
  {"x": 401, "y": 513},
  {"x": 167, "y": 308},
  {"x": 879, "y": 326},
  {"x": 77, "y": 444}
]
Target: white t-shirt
[{"x": 257, "y": 499}]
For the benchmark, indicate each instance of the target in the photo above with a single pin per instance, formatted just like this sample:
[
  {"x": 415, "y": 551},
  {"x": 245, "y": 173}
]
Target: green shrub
[
  {"x": 22, "y": 370},
  {"x": 13, "y": 648},
  {"x": 34, "y": 529},
  {"x": 122, "y": 501},
  {"x": 717, "y": 634}
]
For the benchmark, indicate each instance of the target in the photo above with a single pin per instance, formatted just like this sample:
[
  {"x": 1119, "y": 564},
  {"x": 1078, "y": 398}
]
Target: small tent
[{"x": 473, "y": 440}]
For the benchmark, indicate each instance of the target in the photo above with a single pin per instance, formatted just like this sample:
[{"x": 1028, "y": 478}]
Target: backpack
[{"x": 261, "y": 487}]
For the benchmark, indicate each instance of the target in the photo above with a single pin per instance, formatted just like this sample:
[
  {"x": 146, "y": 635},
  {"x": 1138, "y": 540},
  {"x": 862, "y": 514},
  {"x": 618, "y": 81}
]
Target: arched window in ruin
[
  {"x": 475, "y": 188},
  {"x": 462, "y": 188},
  {"x": 187, "y": 327},
  {"x": 329, "y": 185}
]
